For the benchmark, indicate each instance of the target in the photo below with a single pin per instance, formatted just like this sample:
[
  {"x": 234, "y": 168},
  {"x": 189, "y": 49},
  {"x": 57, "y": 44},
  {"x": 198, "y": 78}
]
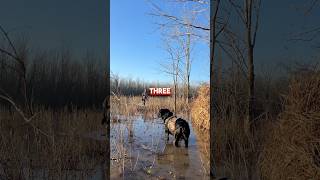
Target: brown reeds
[
  {"x": 200, "y": 108},
  {"x": 292, "y": 150},
  {"x": 132, "y": 105},
  {"x": 69, "y": 148}
]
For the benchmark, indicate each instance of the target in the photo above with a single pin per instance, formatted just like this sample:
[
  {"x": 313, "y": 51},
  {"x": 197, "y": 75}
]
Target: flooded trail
[{"x": 139, "y": 150}]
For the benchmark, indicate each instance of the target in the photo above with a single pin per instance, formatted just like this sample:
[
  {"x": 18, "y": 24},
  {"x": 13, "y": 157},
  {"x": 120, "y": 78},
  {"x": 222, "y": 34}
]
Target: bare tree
[
  {"x": 219, "y": 18},
  {"x": 242, "y": 41},
  {"x": 186, "y": 46},
  {"x": 20, "y": 69},
  {"x": 248, "y": 14},
  {"x": 252, "y": 7},
  {"x": 214, "y": 10},
  {"x": 183, "y": 42},
  {"x": 26, "y": 113},
  {"x": 189, "y": 31},
  {"x": 174, "y": 68}
]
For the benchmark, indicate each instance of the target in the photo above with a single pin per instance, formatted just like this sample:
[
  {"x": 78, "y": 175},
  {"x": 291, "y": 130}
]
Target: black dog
[{"x": 177, "y": 127}]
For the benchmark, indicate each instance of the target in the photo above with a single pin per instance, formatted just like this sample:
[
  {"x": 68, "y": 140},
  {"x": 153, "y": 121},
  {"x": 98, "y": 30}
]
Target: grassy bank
[{"x": 284, "y": 143}]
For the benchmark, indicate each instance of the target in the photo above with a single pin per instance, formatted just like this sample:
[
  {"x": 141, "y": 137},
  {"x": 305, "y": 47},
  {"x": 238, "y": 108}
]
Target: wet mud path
[{"x": 139, "y": 150}]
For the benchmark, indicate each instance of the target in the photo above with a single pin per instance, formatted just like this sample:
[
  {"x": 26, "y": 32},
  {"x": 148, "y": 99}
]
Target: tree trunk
[
  {"x": 188, "y": 68},
  {"x": 214, "y": 7},
  {"x": 251, "y": 87},
  {"x": 250, "y": 46},
  {"x": 175, "y": 98}
]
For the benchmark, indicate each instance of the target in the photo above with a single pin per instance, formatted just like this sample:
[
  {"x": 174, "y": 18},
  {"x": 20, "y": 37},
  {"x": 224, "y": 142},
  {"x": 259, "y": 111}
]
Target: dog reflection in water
[{"x": 176, "y": 158}]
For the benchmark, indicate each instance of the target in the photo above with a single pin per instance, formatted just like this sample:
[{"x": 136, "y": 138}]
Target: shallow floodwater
[{"x": 139, "y": 150}]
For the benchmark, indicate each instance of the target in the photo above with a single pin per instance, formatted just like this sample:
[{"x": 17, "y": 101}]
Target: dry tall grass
[
  {"x": 233, "y": 145},
  {"x": 55, "y": 146},
  {"x": 287, "y": 147},
  {"x": 292, "y": 151},
  {"x": 201, "y": 107},
  {"x": 131, "y": 105}
]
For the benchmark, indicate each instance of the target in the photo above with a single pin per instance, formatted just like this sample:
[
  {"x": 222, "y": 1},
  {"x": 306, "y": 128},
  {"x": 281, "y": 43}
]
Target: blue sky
[{"x": 137, "y": 47}]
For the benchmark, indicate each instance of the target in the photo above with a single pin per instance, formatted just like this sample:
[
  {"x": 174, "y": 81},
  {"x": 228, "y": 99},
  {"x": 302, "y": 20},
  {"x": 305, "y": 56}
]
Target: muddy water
[{"x": 139, "y": 150}]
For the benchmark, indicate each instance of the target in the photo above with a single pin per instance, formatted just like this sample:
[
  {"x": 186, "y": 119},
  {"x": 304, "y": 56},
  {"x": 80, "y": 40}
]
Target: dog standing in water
[{"x": 177, "y": 127}]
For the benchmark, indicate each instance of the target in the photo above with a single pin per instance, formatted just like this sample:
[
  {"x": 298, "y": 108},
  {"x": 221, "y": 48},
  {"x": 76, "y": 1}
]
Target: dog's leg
[
  {"x": 186, "y": 142},
  {"x": 177, "y": 138},
  {"x": 167, "y": 132}
]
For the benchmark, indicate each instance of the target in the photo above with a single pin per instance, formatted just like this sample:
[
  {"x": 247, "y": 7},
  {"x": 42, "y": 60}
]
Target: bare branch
[
  {"x": 257, "y": 8},
  {"x": 8, "y": 54},
  {"x": 8, "y": 99},
  {"x": 196, "y": 1},
  {"x": 13, "y": 55},
  {"x": 314, "y": 32},
  {"x": 9, "y": 40},
  {"x": 224, "y": 25},
  {"x": 238, "y": 10},
  {"x": 161, "y": 13},
  {"x": 311, "y": 7},
  {"x": 180, "y": 22},
  {"x": 233, "y": 59}
]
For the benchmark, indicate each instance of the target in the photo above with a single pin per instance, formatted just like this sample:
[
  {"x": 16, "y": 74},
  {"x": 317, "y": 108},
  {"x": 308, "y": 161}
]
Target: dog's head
[{"x": 164, "y": 114}]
